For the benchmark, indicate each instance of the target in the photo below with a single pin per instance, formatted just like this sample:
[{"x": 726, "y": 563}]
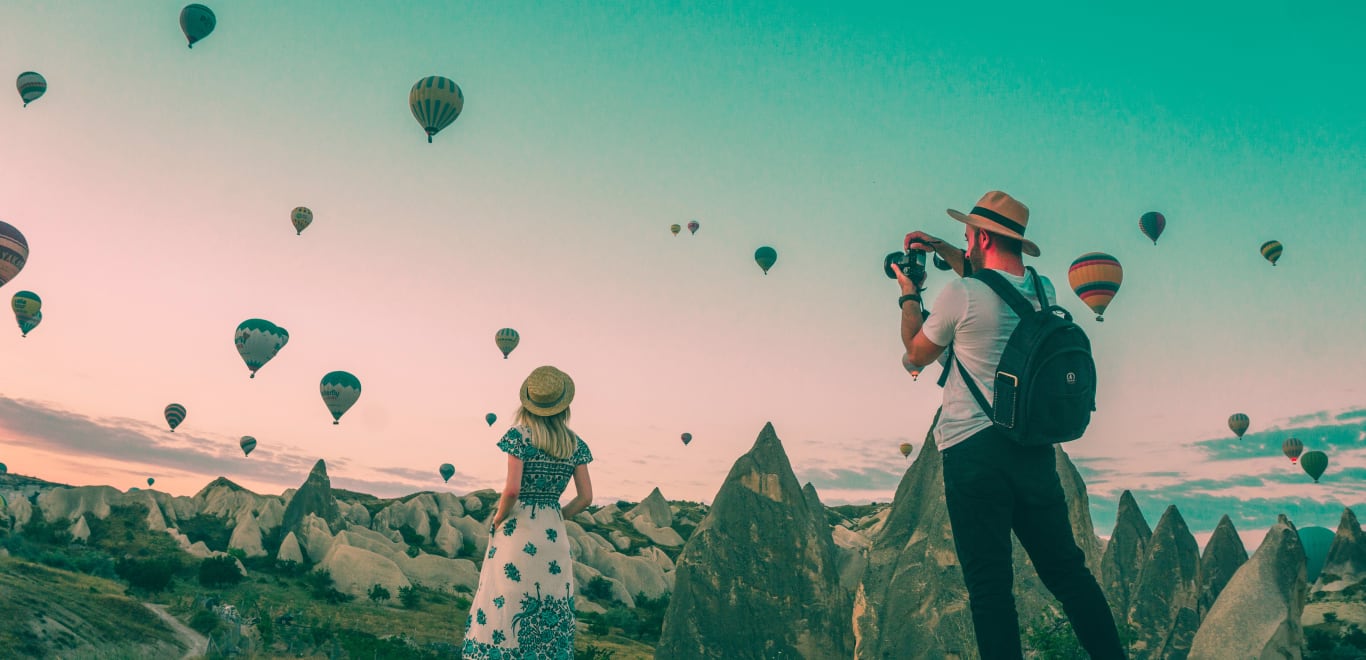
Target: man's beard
[{"x": 978, "y": 260}]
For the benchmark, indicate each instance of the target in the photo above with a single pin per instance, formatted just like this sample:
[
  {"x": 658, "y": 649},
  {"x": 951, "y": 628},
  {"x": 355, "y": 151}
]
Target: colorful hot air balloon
[
  {"x": 447, "y": 471},
  {"x": 1272, "y": 250},
  {"x": 1314, "y": 463},
  {"x": 301, "y": 218},
  {"x": 28, "y": 310},
  {"x": 1095, "y": 277},
  {"x": 197, "y": 22},
  {"x": 490, "y": 418},
  {"x": 13, "y": 252},
  {"x": 1317, "y": 541},
  {"x": 31, "y": 85},
  {"x": 175, "y": 414},
  {"x": 686, "y": 437},
  {"x": 693, "y": 226},
  {"x": 507, "y": 339},
  {"x": 257, "y": 341},
  {"x": 1292, "y": 448},
  {"x": 340, "y": 391},
  {"x": 675, "y": 228},
  {"x": 1237, "y": 422},
  {"x": 247, "y": 443},
  {"x": 910, "y": 368},
  {"x": 765, "y": 257},
  {"x": 435, "y": 102},
  {"x": 1151, "y": 224}
]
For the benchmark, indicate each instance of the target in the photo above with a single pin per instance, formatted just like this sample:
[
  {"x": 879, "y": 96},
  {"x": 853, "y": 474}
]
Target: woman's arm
[
  {"x": 584, "y": 485},
  {"x": 511, "y": 490}
]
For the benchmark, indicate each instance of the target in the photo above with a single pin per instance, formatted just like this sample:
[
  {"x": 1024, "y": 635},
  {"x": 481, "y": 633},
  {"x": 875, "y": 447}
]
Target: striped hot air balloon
[
  {"x": 301, "y": 218},
  {"x": 675, "y": 228},
  {"x": 1237, "y": 422},
  {"x": 506, "y": 339},
  {"x": 175, "y": 414},
  {"x": 257, "y": 341},
  {"x": 1314, "y": 463},
  {"x": 28, "y": 310},
  {"x": 197, "y": 22},
  {"x": 13, "y": 252},
  {"x": 1292, "y": 447},
  {"x": 340, "y": 391},
  {"x": 693, "y": 226},
  {"x": 31, "y": 85},
  {"x": 435, "y": 102},
  {"x": 1271, "y": 251},
  {"x": 247, "y": 443},
  {"x": 1151, "y": 224},
  {"x": 1095, "y": 277},
  {"x": 765, "y": 257}
]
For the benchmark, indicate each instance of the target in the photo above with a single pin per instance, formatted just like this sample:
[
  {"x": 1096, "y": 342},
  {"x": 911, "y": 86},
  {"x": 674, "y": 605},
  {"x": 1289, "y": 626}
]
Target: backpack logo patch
[{"x": 1071, "y": 378}]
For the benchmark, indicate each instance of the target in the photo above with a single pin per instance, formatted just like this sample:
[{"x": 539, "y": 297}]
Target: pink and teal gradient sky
[{"x": 154, "y": 184}]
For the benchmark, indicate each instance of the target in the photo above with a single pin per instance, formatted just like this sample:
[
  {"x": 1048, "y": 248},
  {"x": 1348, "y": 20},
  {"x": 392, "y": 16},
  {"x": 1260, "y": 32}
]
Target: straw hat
[
  {"x": 1001, "y": 214},
  {"x": 547, "y": 391}
]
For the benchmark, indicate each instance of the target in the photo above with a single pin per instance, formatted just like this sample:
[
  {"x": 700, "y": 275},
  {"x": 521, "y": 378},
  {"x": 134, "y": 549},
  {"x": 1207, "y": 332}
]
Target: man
[{"x": 991, "y": 484}]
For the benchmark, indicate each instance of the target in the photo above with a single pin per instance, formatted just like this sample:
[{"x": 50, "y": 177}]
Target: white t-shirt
[{"x": 969, "y": 315}]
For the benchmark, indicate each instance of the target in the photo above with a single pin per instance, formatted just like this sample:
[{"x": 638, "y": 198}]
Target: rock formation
[
  {"x": 246, "y": 535},
  {"x": 1164, "y": 606},
  {"x": 1123, "y": 558},
  {"x": 757, "y": 578},
  {"x": 655, "y": 509},
  {"x": 1258, "y": 613},
  {"x": 1224, "y": 555},
  {"x": 313, "y": 498},
  {"x": 1346, "y": 562},
  {"x": 290, "y": 550}
]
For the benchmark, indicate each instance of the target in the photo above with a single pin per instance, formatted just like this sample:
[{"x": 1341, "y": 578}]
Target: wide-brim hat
[
  {"x": 547, "y": 391},
  {"x": 1000, "y": 214}
]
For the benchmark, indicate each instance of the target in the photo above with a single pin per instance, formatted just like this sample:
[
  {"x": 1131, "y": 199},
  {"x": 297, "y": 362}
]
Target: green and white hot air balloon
[
  {"x": 340, "y": 390},
  {"x": 301, "y": 217},
  {"x": 435, "y": 102},
  {"x": 28, "y": 310},
  {"x": 31, "y": 86},
  {"x": 507, "y": 339},
  {"x": 247, "y": 443},
  {"x": 257, "y": 341},
  {"x": 13, "y": 252},
  {"x": 175, "y": 414}
]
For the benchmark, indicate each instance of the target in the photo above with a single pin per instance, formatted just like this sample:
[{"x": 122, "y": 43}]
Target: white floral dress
[{"x": 524, "y": 606}]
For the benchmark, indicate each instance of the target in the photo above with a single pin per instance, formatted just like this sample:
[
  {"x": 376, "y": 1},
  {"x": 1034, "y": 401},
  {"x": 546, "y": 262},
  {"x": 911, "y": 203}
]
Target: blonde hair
[{"x": 549, "y": 434}]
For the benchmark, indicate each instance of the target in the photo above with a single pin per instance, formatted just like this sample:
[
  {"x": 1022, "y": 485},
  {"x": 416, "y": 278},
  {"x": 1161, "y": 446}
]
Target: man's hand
[
  {"x": 908, "y": 286},
  {"x": 950, "y": 254},
  {"x": 923, "y": 239}
]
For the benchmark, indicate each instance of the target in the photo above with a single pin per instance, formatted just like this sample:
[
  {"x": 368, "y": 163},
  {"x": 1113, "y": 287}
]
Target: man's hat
[
  {"x": 547, "y": 391},
  {"x": 1001, "y": 214}
]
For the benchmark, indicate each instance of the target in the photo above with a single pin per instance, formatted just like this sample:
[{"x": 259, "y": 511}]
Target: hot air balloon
[
  {"x": 340, "y": 391},
  {"x": 248, "y": 443},
  {"x": 693, "y": 226},
  {"x": 28, "y": 310},
  {"x": 1237, "y": 422},
  {"x": 150, "y": 481},
  {"x": 906, "y": 449},
  {"x": 1272, "y": 250},
  {"x": 3, "y": 468},
  {"x": 175, "y": 414},
  {"x": 1151, "y": 224},
  {"x": 31, "y": 85},
  {"x": 911, "y": 369},
  {"x": 435, "y": 102},
  {"x": 687, "y": 437},
  {"x": 13, "y": 252},
  {"x": 490, "y": 418},
  {"x": 1316, "y": 542},
  {"x": 197, "y": 22},
  {"x": 765, "y": 257},
  {"x": 257, "y": 341},
  {"x": 675, "y": 228},
  {"x": 301, "y": 218},
  {"x": 507, "y": 339},
  {"x": 1292, "y": 448},
  {"x": 1095, "y": 277},
  {"x": 1314, "y": 463},
  {"x": 447, "y": 471}
]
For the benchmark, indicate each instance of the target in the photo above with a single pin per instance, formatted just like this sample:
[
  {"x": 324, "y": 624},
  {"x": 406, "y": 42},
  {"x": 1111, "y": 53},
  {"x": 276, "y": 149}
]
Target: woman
[{"x": 524, "y": 607}]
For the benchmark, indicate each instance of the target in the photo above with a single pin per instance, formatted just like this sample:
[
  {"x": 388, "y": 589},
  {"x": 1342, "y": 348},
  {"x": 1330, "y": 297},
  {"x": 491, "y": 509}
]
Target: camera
[{"x": 911, "y": 262}]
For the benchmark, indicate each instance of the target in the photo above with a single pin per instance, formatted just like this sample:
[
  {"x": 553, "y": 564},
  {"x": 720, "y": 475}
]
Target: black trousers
[{"x": 992, "y": 486}]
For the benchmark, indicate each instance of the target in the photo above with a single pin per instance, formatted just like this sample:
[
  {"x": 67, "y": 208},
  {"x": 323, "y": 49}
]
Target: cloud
[{"x": 837, "y": 479}]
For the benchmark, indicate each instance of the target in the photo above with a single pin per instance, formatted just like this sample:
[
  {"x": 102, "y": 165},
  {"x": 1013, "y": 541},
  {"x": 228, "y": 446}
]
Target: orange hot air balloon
[
  {"x": 1292, "y": 447},
  {"x": 1095, "y": 277}
]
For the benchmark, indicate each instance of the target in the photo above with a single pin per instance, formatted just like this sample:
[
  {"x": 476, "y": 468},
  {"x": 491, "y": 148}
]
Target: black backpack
[{"x": 1046, "y": 382}]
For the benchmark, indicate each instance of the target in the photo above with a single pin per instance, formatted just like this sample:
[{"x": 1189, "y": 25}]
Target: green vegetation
[
  {"x": 213, "y": 531},
  {"x": 1051, "y": 636},
  {"x": 219, "y": 572},
  {"x": 642, "y": 623}
]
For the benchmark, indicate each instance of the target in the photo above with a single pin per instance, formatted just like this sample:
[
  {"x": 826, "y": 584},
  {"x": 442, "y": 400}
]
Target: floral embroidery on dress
[
  {"x": 544, "y": 622},
  {"x": 480, "y": 617},
  {"x": 554, "y": 567},
  {"x": 492, "y": 550},
  {"x": 499, "y": 637},
  {"x": 509, "y": 527},
  {"x": 512, "y": 572},
  {"x": 552, "y": 535},
  {"x": 499, "y": 602},
  {"x": 529, "y": 549}
]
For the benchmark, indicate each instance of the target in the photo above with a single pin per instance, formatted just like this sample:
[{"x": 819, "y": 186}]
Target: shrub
[
  {"x": 204, "y": 622},
  {"x": 409, "y": 596},
  {"x": 378, "y": 593},
  {"x": 220, "y": 571},
  {"x": 592, "y": 652},
  {"x": 214, "y": 531},
  {"x": 1051, "y": 636},
  {"x": 1330, "y": 617},
  {"x": 153, "y": 574},
  {"x": 321, "y": 587},
  {"x": 598, "y": 588}
]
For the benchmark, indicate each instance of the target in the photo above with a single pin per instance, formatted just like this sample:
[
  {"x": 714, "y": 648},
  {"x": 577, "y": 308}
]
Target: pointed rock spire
[
  {"x": 313, "y": 497},
  {"x": 1164, "y": 609},
  {"x": 1123, "y": 558},
  {"x": 1346, "y": 562},
  {"x": 758, "y": 576},
  {"x": 1224, "y": 555},
  {"x": 1258, "y": 613}
]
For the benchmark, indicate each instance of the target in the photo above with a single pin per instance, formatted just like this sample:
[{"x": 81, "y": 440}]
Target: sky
[{"x": 154, "y": 184}]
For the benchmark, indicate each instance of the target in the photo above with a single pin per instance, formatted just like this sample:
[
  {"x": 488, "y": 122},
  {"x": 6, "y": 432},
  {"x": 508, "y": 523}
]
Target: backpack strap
[{"x": 1010, "y": 294}]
